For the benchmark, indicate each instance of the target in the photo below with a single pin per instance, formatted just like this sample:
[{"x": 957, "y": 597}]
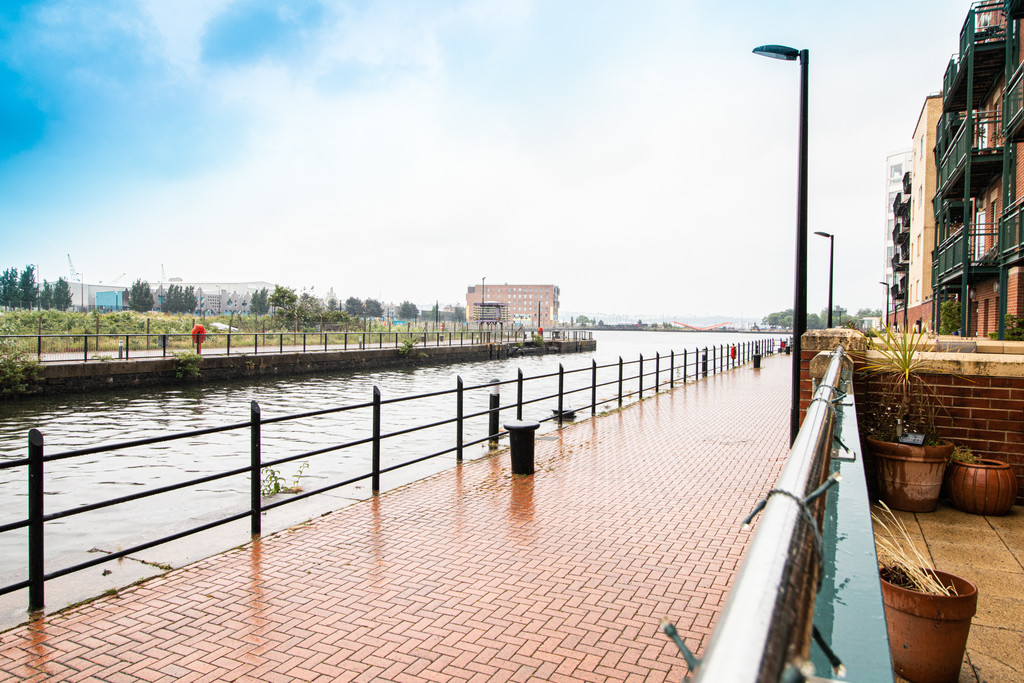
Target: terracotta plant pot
[
  {"x": 928, "y": 633},
  {"x": 909, "y": 477},
  {"x": 984, "y": 487}
]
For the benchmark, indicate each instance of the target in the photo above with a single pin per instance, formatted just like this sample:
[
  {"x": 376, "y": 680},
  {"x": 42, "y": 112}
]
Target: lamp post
[
  {"x": 831, "y": 261},
  {"x": 800, "y": 289},
  {"x": 885, "y": 314}
]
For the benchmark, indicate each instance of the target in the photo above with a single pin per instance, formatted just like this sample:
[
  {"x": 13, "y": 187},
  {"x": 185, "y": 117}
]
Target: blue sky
[{"x": 636, "y": 154}]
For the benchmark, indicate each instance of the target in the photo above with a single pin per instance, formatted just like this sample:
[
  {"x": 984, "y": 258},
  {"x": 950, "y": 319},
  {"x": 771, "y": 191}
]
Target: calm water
[{"x": 71, "y": 422}]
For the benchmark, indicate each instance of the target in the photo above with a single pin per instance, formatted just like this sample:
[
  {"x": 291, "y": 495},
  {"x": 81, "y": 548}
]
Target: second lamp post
[{"x": 831, "y": 261}]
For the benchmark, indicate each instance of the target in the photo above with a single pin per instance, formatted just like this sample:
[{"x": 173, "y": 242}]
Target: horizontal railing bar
[
  {"x": 143, "y": 442},
  {"x": 71, "y": 512},
  {"x": 4, "y": 590},
  {"x": 144, "y": 546},
  {"x": 11, "y": 526},
  {"x": 8, "y": 464},
  {"x": 306, "y": 494},
  {"x": 314, "y": 413}
]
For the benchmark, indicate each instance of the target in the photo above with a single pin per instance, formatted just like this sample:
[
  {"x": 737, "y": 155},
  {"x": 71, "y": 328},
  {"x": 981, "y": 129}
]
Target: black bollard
[
  {"x": 757, "y": 361},
  {"x": 520, "y": 436}
]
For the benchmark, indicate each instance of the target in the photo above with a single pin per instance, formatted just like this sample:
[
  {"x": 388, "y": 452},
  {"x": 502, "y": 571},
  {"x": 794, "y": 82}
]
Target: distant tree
[
  {"x": 308, "y": 309},
  {"x": 779, "y": 318},
  {"x": 283, "y": 299},
  {"x": 140, "y": 297},
  {"x": 600, "y": 323},
  {"x": 61, "y": 295},
  {"x": 332, "y": 303},
  {"x": 9, "y": 288},
  {"x": 258, "y": 302},
  {"x": 815, "y": 322},
  {"x": 29, "y": 293},
  {"x": 46, "y": 296},
  {"x": 407, "y": 311},
  {"x": 460, "y": 314},
  {"x": 180, "y": 299},
  {"x": 373, "y": 308},
  {"x": 949, "y": 317},
  {"x": 354, "y": 307},
  {"x": 583, "y": 321},
  {"x": 869, "y": 313}
]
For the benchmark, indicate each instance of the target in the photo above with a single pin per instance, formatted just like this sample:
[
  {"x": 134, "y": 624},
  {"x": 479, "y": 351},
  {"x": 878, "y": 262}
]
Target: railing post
[
  {"x": 561, "y": 394},
  {"x": 704, "y": 363},
  {"x": 640, "y": 375},
  {"x": 458, "y": 417},
  {"x": 519, "y": 394},
  {"x": 255, "y": 474},
  {"x": 494, "y": 409},
  {"x": 36, "y": 570},
  {"x": 593, "y": 387},
  {"x": 303, "y": 342},
  {"x": 346, "y": 340},
  {"x": 280, "y": 347},
  {"x": 85, "y": 347},
  {"x": 39, "y": 348},
  {"x": 229, "y": 343},
  {"x": 671, "y": 369},
  {"x": 684, "y": 366},
  {"x": 376, "y": 440},
  {"x": 255, "y": 343},
  {"x": 620, "y": 381},
  {"x": 657, "y": 370}
]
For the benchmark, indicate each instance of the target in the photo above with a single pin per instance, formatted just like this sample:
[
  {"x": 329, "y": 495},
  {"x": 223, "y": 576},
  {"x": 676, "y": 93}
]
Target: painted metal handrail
[{"x": 765, "y": 627}]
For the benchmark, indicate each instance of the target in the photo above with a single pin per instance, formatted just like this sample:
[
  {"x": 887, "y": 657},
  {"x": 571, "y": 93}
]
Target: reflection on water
[{"x": 70, "y": 422}]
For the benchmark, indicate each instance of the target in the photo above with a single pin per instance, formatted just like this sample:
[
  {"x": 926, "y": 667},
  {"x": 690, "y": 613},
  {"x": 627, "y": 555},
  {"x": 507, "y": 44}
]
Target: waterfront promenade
[{"x": 472, "y": 574}]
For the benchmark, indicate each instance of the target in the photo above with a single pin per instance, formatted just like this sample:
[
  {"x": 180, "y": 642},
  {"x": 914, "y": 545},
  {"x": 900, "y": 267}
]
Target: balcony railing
[
  {"x": 1014, "y": 9},
  {"x": 984, "y": 139},
  {"x": 1013, "y": 106},
  {"x": 981, "y": 249},
  {"x": 983, "y": 33},
  {"x": 1011, "y": 231}
]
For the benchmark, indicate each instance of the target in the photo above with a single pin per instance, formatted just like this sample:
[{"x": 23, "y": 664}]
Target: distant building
[
  {"x": 527, "y": 305},
  {"x": 897, "y": 229},
  {"x": 222, "y": 298}
]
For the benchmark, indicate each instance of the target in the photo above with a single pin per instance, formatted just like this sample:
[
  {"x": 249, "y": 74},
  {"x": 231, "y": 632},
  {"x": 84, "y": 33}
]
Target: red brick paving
[{"x": 471, "y": 575}]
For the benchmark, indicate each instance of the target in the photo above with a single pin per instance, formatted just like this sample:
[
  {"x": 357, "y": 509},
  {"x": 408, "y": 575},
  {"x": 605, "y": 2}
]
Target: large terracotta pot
[
  {"x": 909, "y": 477},
  {"x": 984, "y": 487},
  {"x": 928, "y": 633}
]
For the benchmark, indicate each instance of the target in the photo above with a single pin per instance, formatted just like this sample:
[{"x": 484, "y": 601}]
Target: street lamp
[
  {"x": 885, "y": 315},
  {"x": 831, "y": 255},
  {"x": 800, "y": 294}
]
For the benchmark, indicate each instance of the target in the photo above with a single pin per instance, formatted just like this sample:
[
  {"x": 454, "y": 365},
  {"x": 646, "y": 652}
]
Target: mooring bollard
[
  {"x": 520, "y": 437},
  {"x": 493, "y": 415},
  {"x": 757, "y": 361}
]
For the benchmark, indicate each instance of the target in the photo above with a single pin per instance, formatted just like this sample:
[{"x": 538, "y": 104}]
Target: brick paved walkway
[{"x": 471, "y": 574}]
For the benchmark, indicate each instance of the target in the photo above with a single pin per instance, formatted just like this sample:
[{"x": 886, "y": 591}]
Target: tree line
[
  {"x": 20, "y": 290},
  {"x": 815, "y": 321}
]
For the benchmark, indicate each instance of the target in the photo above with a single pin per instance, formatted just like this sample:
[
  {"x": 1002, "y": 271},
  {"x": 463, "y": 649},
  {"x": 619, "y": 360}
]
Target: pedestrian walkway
[{"x": 472, "y": 574}]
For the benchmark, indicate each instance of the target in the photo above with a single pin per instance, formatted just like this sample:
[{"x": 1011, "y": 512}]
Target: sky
[{"x": 636, "y": 154}]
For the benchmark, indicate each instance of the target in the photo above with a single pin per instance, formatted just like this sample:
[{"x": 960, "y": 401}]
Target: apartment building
[
  {"x": 978, "y": 202},
  {"x": 913, "y": 224},
  {"x": 528, "y": 305},
  {"x": 897, "y": 232}
]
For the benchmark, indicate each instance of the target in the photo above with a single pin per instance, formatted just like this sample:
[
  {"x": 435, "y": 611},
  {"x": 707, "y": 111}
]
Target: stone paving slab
[{"x": 472, "y": 574}]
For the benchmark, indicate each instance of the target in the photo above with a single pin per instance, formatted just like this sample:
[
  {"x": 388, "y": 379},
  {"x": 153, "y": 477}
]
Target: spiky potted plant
[
  {"x": 927, "y": 612},
  {"x": 899, "y": 423}
]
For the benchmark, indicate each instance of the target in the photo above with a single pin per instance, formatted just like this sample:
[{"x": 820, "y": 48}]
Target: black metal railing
[
  {"x": 595, "y": 386},
  {"x": 105, "y": 347}
]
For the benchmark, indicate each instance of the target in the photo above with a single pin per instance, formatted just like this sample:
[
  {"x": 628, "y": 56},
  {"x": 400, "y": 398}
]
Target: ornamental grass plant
[{"x": 899, "y": 561}]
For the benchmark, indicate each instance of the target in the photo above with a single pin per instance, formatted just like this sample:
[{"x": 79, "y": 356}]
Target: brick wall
[
  {"x": 985, "y": 309},
  {"x": 980, "y": 399}
]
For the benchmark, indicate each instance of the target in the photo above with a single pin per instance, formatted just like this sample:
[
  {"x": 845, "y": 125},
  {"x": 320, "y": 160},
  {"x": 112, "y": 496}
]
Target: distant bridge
[{"x": 701, "y": 329}]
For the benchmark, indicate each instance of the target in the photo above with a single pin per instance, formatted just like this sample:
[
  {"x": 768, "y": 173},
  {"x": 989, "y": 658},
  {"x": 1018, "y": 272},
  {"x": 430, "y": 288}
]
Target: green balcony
[
  {"x": 983, "y": 42},
  {"x": 979, "y": 143},
  {"x": 1014, "y": 9},
  {"x": 1013, "y": 107},
  {"x": 1011, "y": 234},
  {"x": 981, "y": 253}
]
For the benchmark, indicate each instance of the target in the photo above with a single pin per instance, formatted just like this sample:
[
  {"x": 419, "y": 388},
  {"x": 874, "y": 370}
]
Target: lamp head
[
  {"x": 777, "y": 52},
  {"x": 823, "y": 234}
]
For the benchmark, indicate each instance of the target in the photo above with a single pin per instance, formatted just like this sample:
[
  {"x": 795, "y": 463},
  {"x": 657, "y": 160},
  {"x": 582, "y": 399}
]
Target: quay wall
[{"x": 78, "y": 376}]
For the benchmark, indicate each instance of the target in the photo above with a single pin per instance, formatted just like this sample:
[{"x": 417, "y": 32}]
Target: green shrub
[
  {"x": 186, "y": 364},
  {"x": 949, "y": 317}
]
